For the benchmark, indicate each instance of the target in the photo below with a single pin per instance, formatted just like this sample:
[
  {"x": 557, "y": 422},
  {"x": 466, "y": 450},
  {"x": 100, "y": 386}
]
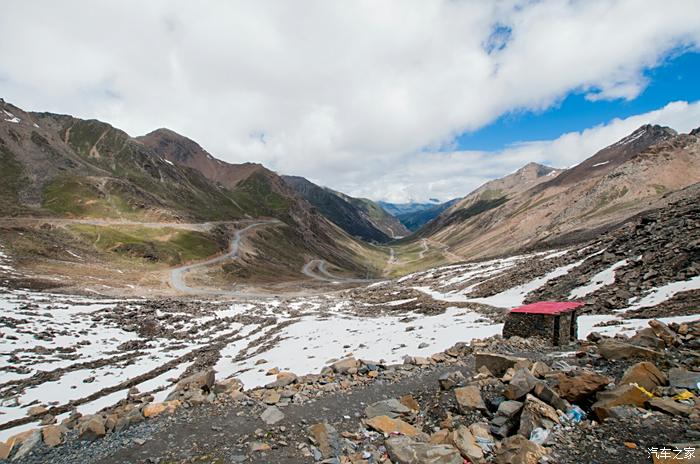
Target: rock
[
  {"x": 272, "y": 371},
  {"x": 155, "y": 409},
  {"x": 27, "y": 444},
  {"x": 342, "y": 366},
  {"x": 469, "y": 399},
  {"x": 283, "y": 379},
  {"x": 14, "y": 441},
  {"x": 518, "y": 450},
  {"x": 423, "y": 345},
  {"x": 258, "y": 446},
  {"x": 520, "y": 385},
  {"x": 682, "y": 378},
  {"x": 580, "y": 387},
  {"x": 440, "y": 437},
  {"x": 37, "y": 411},
  {"x": 647, "y": 338},
  {"x": 509, "y": 408},
  {"x": 410, "y": 402},
  {"x": 387, "y": 425},
  {"x": 450, "y": 380},
  {"x": 622, "y": 395},
  {"x": 228, "y": 386},
  {"x": 92, "y": 428},
  {"x": 272, "y": 415},
  {"x": 669, "y": 406},
  {"x": 326, "y": 438},
  {"x": 200, "y": 381},
  {"x": 271, "y": 397},
  {"x": 466, "y": 443},
  {"x": 645, "y": 374},
  {"x": 549, "y": 396},
  {"x": 260, "y": 361},
  {"x": 615, "y": 350},
  {"x": 539, "y": 369},
  {"x": 53, "y": 435},
  {"x": 536, "y": 413},
  {"x": 496, "y": 363},
  {"x": 403, "y": 450},
  {"x": 662, "y": 331},
  {"x": 392, "y": 408}
]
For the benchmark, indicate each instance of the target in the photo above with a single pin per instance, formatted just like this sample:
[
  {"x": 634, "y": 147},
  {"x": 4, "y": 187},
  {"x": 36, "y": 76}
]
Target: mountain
[
  {"x": 396, "y": 209},
  {"x": 414, "y": 215},
  {"x": 62, "y": 166},
  {"x": 358, "y": 217},
  {"x": 414, "y": 220},
  {"x": 538, "y": 205}
]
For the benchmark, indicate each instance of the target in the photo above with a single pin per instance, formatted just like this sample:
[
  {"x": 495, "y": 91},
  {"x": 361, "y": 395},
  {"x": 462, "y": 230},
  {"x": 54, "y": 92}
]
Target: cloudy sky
[{"x": 393, "y": 100}]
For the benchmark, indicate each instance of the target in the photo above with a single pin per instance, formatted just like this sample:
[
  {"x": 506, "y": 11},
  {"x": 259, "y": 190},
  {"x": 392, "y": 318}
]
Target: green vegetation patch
[
  {"x": 153, "y": 244},
  {"x": 11, "y": 175}
]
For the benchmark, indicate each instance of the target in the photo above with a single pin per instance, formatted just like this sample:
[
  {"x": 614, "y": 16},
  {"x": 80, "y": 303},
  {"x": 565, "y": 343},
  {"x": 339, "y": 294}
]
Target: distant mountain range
[
  {"x": 58, "y": 165},
  {"x": 414, "y": 215},
  {"x": 61, "y": 166},
  {"x": 541, "y": 206}
]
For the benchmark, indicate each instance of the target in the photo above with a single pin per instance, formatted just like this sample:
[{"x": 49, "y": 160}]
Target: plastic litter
[
  {"x": 575, "y": 414},
  {"x": 539, "y": 435},
  {"x": 684, "y": 395}
]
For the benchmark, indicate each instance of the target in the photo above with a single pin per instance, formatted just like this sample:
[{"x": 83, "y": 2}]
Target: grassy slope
[{"x": 11, "y": 174}]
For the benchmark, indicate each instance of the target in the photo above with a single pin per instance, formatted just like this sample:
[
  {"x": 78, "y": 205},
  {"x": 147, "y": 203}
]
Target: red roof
[{"x": 547, "y": 307}]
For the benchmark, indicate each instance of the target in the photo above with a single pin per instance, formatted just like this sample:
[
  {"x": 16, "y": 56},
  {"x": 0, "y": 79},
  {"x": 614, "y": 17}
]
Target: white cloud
[
  {"x": 456, "y": 173},
  {"x": 349, "y": 94}
]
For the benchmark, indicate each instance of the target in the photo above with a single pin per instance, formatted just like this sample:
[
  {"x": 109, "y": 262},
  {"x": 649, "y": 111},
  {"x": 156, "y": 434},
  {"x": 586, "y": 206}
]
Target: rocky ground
[{"x": 493, "y": 400}]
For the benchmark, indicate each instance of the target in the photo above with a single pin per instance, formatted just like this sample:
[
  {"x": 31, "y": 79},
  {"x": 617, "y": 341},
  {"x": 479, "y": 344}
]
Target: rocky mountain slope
[
  {"x": 61, "y": 166},
  {"x": 538, "y": 205},
  {"x": 358, "y": 217}
]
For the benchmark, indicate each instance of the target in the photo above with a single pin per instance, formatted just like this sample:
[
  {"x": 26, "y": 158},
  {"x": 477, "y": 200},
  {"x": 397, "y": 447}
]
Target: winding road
[
  {"x": 177, "y": 275},
  {"x": 316, "y": 269}
]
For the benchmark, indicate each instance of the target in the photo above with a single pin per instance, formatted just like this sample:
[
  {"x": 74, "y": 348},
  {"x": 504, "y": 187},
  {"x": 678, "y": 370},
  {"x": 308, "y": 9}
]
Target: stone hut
[{"x": 555, "y": 321}]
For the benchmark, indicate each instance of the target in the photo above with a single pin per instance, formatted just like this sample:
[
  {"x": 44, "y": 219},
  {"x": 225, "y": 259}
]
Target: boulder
[
  {"x": 539, "y": 369},
  {"x": 496, "y": 363},
  {"x": 37, "y": 411},
  {"x": 283, "y": 379},
  {"x": 466, "y": 443},
  {"x": 647, "y": 338},
  {"x": 387, "y": 425},
  {"x": 14, "y": 441},
  {"x": 518, "y": 450},
  {"x": 342, "y": 366},
  {"x": 228, "y": 386},
  {"x": 509, "y": 408},
  {"x": 392, "y": 408},
  {"x": 662, "y": 331},
  {"x": 410, "y": 402},
  {"x": 271, "y": 397},
  {"x": 645, "y": 374},
  {"x": 683, "y": 378},
  {"x": 536, "y": 413},
  {"x": 272, "y": 415},
  {"x": 669, "y": 406},
  {"x": 92, "y": 428},
  {"x": 450, "y": 380},
  {"x": 326, "y": 439},
  {"x": 258, "y": 447},
  {"x": 520, "y": 385},
  {"x": 622, "y": 395},
  {"x": 28, "y": 443},
  {"x": 577, "y": 388},
  {"x": 53, "y": 435},
  {"x": 469, "y": 399},
  {"x": 615, "y": 350},
  {"x": 549, "y": 396},
  {"x": 403, "y": 450},
  {"x": 156, "y": 409},
  {"x": 200, "y": 381}
]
